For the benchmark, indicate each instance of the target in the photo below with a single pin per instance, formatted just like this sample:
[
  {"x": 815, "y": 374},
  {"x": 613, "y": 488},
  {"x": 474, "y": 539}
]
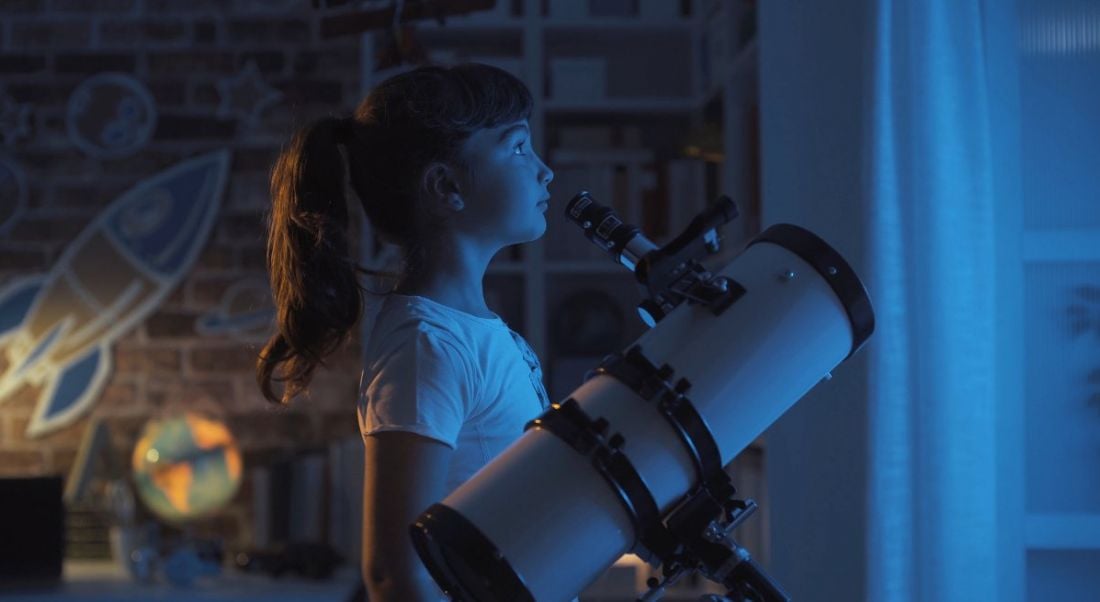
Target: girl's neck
[{"x": 471, "y": 304}]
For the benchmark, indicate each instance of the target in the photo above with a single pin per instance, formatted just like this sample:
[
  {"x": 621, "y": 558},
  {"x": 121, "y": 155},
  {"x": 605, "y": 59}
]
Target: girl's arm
[{"x": 404, "y": 473}]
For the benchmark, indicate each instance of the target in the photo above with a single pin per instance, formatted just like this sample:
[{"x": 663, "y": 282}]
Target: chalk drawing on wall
[
  {"x": 246, "y": 313},
  {"x": 57, "y": 329},
  {"x": 13, "y": 193},
  {"x": 111, "y": 115},
  {"x": 15, "y": 119},
  {"x": 246, "y": 96}
]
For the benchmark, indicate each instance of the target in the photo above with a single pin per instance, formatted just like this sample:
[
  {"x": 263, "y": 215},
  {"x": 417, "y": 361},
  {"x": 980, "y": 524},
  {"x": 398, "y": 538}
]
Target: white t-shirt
[{"x": 470, "y": 382}]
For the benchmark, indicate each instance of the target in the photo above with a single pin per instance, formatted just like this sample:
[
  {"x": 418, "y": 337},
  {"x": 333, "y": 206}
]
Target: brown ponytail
[
  {"x": 406, "y": 122},
  {"x": 313, "y": 279}
]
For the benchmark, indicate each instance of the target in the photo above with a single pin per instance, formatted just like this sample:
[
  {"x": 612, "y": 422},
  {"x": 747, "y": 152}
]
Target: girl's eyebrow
[{"x": 504, "y": 135}]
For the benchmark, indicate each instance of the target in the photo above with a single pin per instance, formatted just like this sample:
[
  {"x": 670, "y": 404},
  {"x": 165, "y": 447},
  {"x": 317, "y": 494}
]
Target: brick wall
[{"x": 180, "y": 50}]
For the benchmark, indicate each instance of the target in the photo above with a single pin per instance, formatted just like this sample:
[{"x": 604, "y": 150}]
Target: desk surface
[{"x": 107, "y": 582}]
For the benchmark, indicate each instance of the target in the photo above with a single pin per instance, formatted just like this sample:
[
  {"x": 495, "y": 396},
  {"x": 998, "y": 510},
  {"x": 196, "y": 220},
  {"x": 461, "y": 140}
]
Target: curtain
[{"x": 930, "y": 239}]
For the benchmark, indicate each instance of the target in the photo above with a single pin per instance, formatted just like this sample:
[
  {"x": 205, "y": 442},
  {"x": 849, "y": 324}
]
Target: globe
[{"x": 186, "y": 467}]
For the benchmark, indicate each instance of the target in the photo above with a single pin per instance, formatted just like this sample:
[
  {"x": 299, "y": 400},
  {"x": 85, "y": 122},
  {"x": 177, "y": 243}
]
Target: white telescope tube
[{"x": 540, "y": 521}]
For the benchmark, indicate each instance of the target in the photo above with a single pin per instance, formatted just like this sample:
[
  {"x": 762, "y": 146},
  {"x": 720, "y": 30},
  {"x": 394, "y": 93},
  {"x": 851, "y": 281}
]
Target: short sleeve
[{"x": 419, "y": 385}]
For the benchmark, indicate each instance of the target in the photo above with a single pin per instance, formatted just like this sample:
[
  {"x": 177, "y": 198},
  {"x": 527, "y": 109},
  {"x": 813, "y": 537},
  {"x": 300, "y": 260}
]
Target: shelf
[
  {"x": 589, "y": 156},
  {"x": 472, "y": 26},
  {"x": 621, "y": 105},
  {"x": 641, "y": 26}
]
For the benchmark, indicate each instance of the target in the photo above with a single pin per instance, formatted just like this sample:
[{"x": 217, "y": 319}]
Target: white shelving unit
[
  {"x": 627, "y": 51},
  {"x": 529, "y": 35}
]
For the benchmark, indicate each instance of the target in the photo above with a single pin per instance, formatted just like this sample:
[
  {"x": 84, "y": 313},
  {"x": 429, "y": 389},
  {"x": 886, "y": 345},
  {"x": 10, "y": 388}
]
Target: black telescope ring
[
  {"x": 639, "y": 374},
  {"x": 833, "y": 269},
  {"x": 572, "y": 425},
  {"x": 463, "y": 561}
]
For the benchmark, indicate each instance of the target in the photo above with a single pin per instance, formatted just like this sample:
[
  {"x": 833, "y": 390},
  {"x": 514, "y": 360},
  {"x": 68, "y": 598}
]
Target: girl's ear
[{"x": 441, "y": 188}]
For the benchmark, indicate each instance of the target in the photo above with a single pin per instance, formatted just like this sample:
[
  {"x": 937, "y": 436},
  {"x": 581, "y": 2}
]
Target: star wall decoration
[
  {"x": 15, "y": 119},
  {"x": 246, "y": 96}
]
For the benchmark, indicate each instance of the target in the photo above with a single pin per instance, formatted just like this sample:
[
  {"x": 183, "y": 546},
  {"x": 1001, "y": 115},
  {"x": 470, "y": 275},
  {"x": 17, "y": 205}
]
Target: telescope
[{"x": 632, "y": 461}]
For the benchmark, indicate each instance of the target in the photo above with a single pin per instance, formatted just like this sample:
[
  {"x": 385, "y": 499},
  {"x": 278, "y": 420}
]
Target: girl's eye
[{"x": 520, "y": 145}]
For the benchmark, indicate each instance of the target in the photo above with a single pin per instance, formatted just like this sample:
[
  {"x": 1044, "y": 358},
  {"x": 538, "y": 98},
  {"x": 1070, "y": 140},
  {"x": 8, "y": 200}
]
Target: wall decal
[
  {"x": 15, "y": 119},
  {"x": 111, "y": 115},
  {"x": 245, "y": 314},
  {"x": 13, "y": 193},
  {"x": 57, "y": 329},
  {"x": 246, "y": 96}
]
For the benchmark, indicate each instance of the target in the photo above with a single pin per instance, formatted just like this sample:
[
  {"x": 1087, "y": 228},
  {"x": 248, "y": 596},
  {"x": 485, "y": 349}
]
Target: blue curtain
[{"x": 931, "y": 505}]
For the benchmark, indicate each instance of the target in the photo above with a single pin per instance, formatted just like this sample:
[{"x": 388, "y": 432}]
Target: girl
[{"x": 441, "y": 162}]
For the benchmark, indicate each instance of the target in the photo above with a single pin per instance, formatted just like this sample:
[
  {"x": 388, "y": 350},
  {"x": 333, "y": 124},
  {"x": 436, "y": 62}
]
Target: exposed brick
[
  {"x": 248, "y": 397},
  {"x": 217, "y": 257},
  {"x": 241, "y": 229},
  {"x": 144, "y": 163},
  {"x": 191, "y": 393},
  {"x": 170, "y": 324},
  {"x": 164, "y": 365},
  {"x": 259, "y": 31},
  {"x": 52, "y": 35},
  {"x": 26, "y": 7},
  {"x": 222, "y": 359},
  {"x": 159, "y": 7},
  {"x": 207, "y": 291},
  {"x": 66, "y": 437},
  {"x": 139, "y": 358},
  {"x": 130, "y": 33},
  {"x": 301, "y": 92},
  {"x": 186, "y": 127},
  {"x": 266, "y": 62},
  {"x": 331, "y": 61},
  {"x": 249, "y": 191},
  {"x": 254, "y": 159},
  {"x": 168, "y": 93},
  {"x": 40, "y": 94},
  {"x": 118, "y": 396},
  {"x": 21, "y": 63},
  {"x": 78, "y": 196},
  {"x": 94, "y": 63},
  {"x": 35, "y": 160},
  {"x": 22, "y": 463},
  {"x": 206, "y": 31},
  {"x": 205, "y": 94},
  {"x": 274, "y": 6},
  {"x": 60, "y": 461},
  {"x": 93, "y": 6},
  {"x": 220, "y": 392},
  {"x": 37, "y": 229},
  {"x": 175, "y": 300},
  {"x": 253, "y": 258},
  {"x": 190, "y": 63},
  {"x": 21, "y": 258}
]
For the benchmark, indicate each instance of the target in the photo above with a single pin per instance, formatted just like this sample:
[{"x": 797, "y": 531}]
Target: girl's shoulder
[{"x": 402, "y": 319}]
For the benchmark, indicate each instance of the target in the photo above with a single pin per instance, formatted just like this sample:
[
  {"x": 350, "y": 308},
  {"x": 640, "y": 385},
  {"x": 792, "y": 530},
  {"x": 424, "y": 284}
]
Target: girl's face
[{"x": 506, "y": 198}]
